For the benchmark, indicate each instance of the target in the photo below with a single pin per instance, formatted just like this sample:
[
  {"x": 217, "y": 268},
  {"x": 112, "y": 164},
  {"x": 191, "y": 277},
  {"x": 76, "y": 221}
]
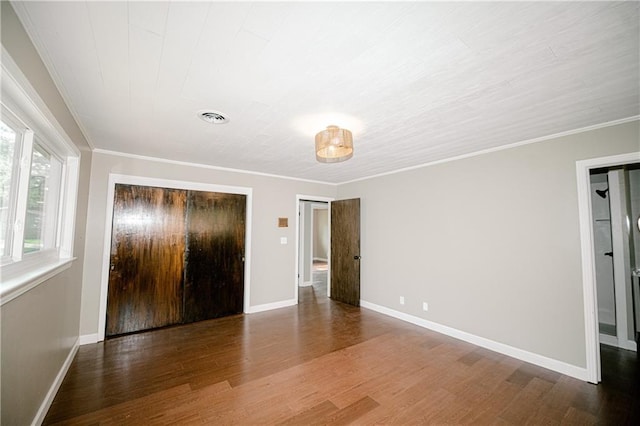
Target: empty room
[{"x": 320, "y": 212}]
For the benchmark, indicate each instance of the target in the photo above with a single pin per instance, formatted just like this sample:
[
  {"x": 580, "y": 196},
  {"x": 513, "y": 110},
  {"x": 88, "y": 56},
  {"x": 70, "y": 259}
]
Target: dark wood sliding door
[
  {"x": 176, "y": 256},
  {"x": 147, "y": 258},
  {"x": 345, "y": 251},
  {"x": 214, "y": 276}
]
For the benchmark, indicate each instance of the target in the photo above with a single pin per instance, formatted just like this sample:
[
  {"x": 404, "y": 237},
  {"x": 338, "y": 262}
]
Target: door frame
[
  {"x": 313, "y": 198},
  {"x": 115, "y": 178},
  {"x": 592, "y": 337}
]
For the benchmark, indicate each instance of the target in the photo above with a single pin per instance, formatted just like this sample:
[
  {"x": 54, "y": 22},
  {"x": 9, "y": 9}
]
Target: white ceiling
[{"x": 415, "y": 82}]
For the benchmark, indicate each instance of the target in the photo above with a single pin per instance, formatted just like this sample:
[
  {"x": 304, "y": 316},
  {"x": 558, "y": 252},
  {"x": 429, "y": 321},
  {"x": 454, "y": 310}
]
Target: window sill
[{"x": 16, "y": 286}]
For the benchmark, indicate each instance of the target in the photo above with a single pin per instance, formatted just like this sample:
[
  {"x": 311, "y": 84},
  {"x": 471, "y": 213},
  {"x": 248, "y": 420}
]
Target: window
[
  {"x": 9, "y": 151},
  {"x": 38, "y": 185},
  {"x": 43, "y": 197}
]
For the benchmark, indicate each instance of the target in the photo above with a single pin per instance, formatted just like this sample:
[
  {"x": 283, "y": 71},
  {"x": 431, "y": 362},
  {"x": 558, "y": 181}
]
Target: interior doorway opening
[
  {"x": 615, "y": 202},
  {"x": 313, "y": 248},
  {"x": 617, "y": 180}
]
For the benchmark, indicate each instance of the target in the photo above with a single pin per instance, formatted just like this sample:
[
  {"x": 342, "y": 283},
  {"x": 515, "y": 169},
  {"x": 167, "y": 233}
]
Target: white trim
[
  {"x": 608, "y": 340},
  {"x": 300, "y": 242},
  {"x": 530, "y": 357},
  {"x": 68, "y": 203},
  {"x": 621, "y": 254},
  {"x": 501, "y": 148},
  {"x": 22, "y": 196},
  {"x": 312, "y": 231},
  {"x": 25, "y": 281},
  {"x": 115, "y": 178},
  {"x": 205, "y": 166},
  {"x": 88, "y": 339},
  {"x": 51, "y": 394},
  {"x": 299, "y": 198},
  {"x": 629, "y": 345},
  {"x": 588, "y": 262},
  {"x": 271, "y": 306}
]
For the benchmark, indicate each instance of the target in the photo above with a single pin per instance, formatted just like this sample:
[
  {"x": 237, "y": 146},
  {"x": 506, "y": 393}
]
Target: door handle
[
  {"x": 356, "y": 257},
  {"x": 609, "y": 253}
]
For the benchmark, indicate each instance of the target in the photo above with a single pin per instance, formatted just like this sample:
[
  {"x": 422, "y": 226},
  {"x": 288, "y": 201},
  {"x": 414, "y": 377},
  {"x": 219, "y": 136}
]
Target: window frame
[
  {"x": 50, "y": 234},
  {"x": 18, "y": 127},
  {"x": 20, "y": 102}
]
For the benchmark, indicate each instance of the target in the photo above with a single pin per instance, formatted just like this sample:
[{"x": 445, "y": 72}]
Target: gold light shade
[{"x": 334, "y": 145}]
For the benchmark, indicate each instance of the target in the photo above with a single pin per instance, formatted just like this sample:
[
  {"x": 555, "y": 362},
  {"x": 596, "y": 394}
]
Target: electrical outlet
[
  {"x": 402, "y": 300},
  {"x": 425, "y": 306}
]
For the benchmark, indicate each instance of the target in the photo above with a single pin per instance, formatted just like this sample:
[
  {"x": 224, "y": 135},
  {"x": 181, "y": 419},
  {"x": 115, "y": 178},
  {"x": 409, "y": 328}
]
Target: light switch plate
[{"x": 283, "y": 240}]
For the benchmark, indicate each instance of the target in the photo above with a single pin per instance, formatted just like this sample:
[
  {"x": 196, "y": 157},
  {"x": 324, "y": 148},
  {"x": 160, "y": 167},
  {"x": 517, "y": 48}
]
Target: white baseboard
[
  {"x": 306, "y": 284},
  {"x": 270, "y": 306},
  {"x": 608, "y": 340},
  {"x": 320, "y": 259},
  {"x": 53, "y": 390},
  {"x": 530, "y": 357},
  {"x": 87, "y": 339},
  {"x": 629, "y": 345}
]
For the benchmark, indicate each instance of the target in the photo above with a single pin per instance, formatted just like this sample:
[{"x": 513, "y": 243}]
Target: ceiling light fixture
[
  {"x": 213, "y": 117},
  {"x": 334, "y": 145}
]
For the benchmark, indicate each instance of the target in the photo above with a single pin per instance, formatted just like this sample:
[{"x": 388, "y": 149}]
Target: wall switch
[
  {"x": 283, "y": 240},
  {"x": 402, "y": 300},
  {"x": 425, "y": 306}
]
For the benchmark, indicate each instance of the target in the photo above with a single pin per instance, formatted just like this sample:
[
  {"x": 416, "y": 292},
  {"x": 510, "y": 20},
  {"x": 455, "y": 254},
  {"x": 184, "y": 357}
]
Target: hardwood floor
[{"x": 324, "y": 362}]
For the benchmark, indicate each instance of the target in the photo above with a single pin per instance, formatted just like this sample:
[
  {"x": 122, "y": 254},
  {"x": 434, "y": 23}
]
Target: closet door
[
  {"x": 147, "y": 259},
  {"x": 214, "y": 268}
]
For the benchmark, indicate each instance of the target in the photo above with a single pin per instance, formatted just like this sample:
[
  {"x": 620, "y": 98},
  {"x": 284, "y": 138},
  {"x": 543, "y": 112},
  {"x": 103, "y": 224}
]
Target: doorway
[
  {"x": 342, "y": 249},
  {"x": 627, "y": 284},
  {"x": 313, "y": 246},
  {"x": 612, "y": 206}
]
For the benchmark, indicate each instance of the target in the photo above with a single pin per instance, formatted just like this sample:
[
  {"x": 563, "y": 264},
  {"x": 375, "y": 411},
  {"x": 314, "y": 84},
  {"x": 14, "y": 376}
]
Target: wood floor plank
[
  {"x": 323, "y": 362},
  {"x": 315, "y": 415},
  {"x": 526, "y": 403}
]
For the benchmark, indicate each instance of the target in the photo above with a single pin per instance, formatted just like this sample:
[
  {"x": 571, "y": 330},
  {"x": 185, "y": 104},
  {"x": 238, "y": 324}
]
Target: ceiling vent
[{"x": 213, "y": 117}]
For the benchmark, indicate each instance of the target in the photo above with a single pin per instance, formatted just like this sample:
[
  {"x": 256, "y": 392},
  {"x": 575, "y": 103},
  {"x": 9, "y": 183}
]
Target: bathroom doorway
[{"x": 615, "y": 193}]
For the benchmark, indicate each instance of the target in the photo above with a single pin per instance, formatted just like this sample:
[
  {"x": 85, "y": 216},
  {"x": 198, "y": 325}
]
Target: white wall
[
  {"x": 491, "y": 242},
  {"x": 272, "y": 264},
  {"x": 40, "y": 327}
]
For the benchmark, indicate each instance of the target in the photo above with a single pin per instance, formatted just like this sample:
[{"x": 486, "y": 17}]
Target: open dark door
[{"x": 345, "y": 251}]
